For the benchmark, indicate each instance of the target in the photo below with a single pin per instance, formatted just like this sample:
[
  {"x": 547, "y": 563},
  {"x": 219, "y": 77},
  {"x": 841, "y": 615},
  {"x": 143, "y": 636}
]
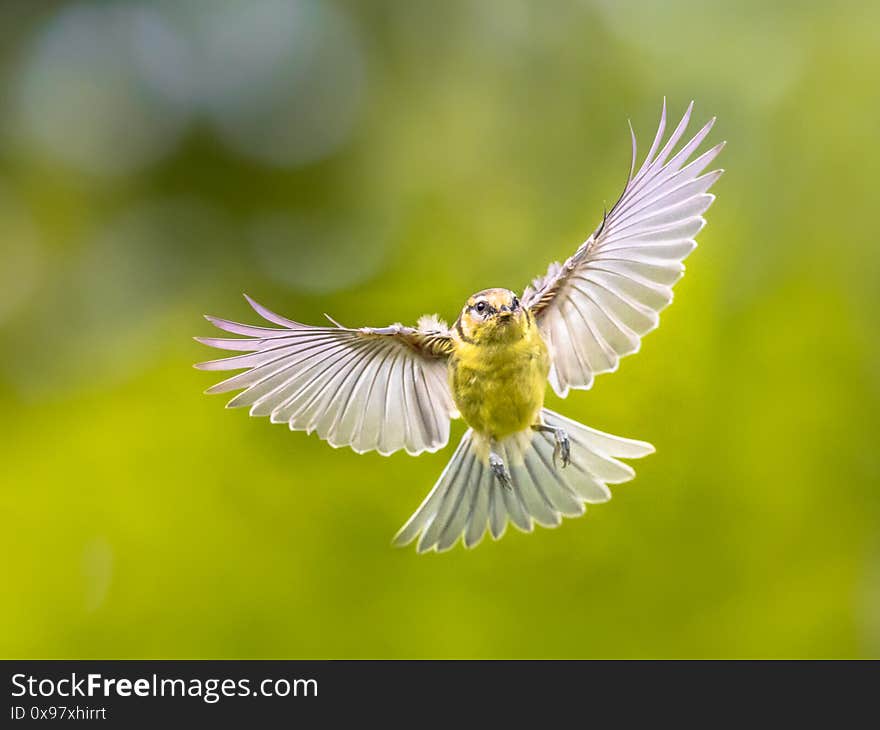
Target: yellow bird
[{"x": 397, "y": 387}]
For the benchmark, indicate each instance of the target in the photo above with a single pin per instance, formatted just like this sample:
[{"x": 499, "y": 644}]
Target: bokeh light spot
[{"x": 92, "y": 93}]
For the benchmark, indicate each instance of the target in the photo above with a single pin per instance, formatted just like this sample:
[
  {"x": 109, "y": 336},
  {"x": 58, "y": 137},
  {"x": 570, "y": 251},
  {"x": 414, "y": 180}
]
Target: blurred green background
[{"x": 377, "y": 161}]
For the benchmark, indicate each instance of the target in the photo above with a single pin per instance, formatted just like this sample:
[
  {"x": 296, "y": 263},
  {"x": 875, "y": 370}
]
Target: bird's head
[{"x": 492, "y": 316}]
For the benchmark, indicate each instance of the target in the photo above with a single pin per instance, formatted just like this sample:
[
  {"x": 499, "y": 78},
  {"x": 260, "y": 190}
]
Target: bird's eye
[
  {"x": 481, "y": 307},
  {"x": 515, "y": 303}
]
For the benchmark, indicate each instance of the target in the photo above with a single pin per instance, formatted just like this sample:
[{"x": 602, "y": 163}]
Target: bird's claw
[
  {"x": 562, "y": 449},
  {"x": 499, "y": 469}
]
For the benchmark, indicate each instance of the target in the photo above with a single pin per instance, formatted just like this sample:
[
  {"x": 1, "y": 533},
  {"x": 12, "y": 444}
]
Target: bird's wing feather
[
  {"x": 372, "y": 389},
  {"x": 593, "y": 309}
]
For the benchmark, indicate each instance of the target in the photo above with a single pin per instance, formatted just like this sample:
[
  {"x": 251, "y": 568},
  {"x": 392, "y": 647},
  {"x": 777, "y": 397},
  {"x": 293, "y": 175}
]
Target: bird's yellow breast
[{"x": 498, "y": 387}]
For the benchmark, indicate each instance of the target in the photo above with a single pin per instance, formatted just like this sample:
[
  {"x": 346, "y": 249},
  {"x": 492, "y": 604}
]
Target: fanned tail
[{"x": 467, "y": 498}]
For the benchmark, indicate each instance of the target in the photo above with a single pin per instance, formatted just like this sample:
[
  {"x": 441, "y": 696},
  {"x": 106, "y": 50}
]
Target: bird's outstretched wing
[
  {"x": 382, "y": 389},
  {"x": 593, "y": 309}
]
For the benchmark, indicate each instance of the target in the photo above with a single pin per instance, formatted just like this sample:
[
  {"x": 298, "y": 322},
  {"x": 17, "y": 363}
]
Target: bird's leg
[
  {"x": 562, "y": 449},
  {"x": 499, "y": 469}
]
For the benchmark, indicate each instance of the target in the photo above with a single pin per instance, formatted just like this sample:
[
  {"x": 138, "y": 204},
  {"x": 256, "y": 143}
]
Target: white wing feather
[
  {"x": 370, "y": 389},
  {"x": 595, "y": 308}
]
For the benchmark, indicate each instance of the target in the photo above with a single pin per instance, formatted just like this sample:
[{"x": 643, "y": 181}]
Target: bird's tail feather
[{"x": 468, "y": 498}]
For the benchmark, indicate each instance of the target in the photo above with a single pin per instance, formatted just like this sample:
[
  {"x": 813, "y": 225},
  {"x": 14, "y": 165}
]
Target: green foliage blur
[{"x": 377, "y": 161}]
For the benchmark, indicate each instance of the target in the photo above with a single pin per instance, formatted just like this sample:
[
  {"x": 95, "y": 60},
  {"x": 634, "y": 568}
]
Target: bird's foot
[
  {"x": 562, "y": 448},
  {"x": 499, "y": 469}
]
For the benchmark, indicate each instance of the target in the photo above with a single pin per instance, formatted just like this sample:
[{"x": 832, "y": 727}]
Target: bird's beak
[{"x": 505, "y": 313}]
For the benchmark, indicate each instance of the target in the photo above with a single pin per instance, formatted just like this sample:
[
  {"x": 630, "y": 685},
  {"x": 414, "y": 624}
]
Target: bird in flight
[{"x": 398, "y": 387}]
